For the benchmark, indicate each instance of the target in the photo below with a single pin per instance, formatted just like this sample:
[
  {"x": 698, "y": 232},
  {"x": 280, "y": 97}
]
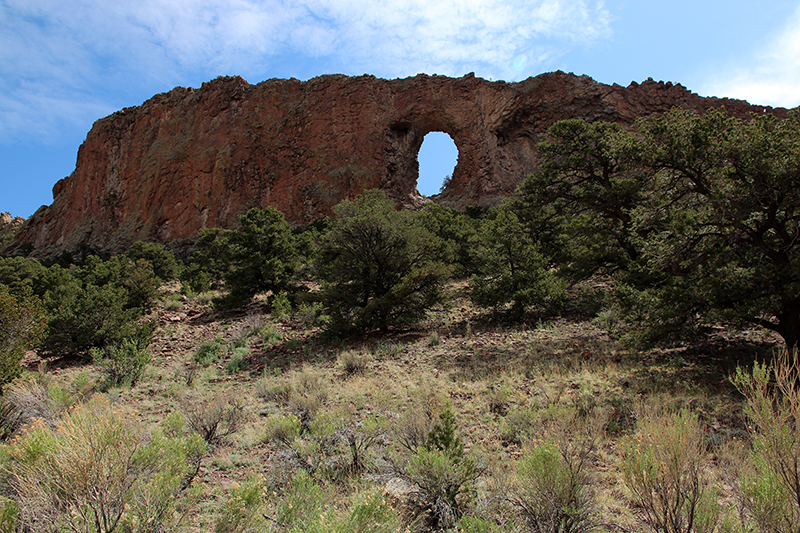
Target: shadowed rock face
[{"x": 195, "y": 158}]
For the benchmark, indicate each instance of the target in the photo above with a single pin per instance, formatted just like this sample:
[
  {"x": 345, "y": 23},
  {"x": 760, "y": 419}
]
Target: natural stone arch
[
  {"x": 195, "y": 158},
  {"x": 437, "y": 158},
  {"x": 404, "y": 139}
]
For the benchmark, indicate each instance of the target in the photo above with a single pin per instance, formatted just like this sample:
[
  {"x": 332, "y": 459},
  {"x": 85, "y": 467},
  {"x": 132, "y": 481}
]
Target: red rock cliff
[{"x": 195, "y": 158}]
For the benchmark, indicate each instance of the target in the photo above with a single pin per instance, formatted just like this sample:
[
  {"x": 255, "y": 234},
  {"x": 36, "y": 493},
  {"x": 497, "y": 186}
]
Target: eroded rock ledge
[{"x": 195, "y": 158}]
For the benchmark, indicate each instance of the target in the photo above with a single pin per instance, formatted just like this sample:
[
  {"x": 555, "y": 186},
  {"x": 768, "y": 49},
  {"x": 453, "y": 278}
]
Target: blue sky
[{"x": 66, "y": 63}]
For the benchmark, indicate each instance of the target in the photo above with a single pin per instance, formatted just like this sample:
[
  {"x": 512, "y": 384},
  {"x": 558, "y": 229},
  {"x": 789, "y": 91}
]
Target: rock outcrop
[
  {"x": 195, "y": 158},
  {"x": 9, "y": 225}
]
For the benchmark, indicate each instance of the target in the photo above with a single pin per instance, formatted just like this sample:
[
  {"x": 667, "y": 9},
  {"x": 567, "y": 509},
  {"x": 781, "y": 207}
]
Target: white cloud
[
  {"x": 771, "y": 77},
  {"x": 401, "y": 37},
  {"x": 29, "y": 113},
  {"x": 79, "y": 51}
]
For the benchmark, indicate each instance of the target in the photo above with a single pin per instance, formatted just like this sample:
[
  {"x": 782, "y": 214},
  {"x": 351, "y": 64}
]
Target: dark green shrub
[
  {"x": 281, "y": 306},
  {"x": 380, "y": 267},
  {"x": 124, "y": 363},
  {"x": 142, "y": 285},
  {"x": 639, "y": 316},
  {"x": 19, "y": 274},
  {"x": 443, "y": 436},
  {"x": 208, "y": 262},
  {"x": 208, "y": 352},
  {"x": 136, "y": 277},
  {"x": 512, "y": 269},
  {"x": 22, "y": 326},
  {"x": 263, "y": 257},
  {"x": 163, "y": 261},
  {"x": 82, "y": 317},
  {"x": 699, "y": 214},
  {"x": 96, "y": 304},
  {"x": 311, "y": 314},
  {"x": 459, "y": 231}
]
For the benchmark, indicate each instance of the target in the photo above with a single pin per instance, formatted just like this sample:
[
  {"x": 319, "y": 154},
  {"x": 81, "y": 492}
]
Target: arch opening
[{"x": 437, "y": 159}]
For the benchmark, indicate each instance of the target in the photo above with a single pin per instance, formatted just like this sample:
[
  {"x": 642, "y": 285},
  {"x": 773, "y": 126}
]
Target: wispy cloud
[
  {"x": 64, "y": 61},
  {"x": 770, "y": 77}
]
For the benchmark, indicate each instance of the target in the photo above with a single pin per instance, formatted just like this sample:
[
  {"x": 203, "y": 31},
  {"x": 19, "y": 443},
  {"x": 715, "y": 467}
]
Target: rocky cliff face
[
  {"x": 9, "y": 226},
  {"x": 195, "y": 158}
]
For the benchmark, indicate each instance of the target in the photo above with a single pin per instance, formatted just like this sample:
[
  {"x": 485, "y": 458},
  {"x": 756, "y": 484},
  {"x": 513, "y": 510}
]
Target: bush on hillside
[
  {"x": 664, "y": 466},
  {"x": 98, "y": 472},
  {"x": 22, "y": 326},
  {"x": 696, "y": 215},
  {"x": 208, "y": 262},
  {"x": 512, "y": 269},
  {"x": 261, "y": 256},
  {"x": 165, "y": 266},
  {"x": 769, "y": 484},
  {"x": 124, "y": 363},
  {"x": 19, "y": 274},
  {"x": 444, "y": 474},
  {"x": 379, "y": 267},
  {"x": 97, "y": 304}
]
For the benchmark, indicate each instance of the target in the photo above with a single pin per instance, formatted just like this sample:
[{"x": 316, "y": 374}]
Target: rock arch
[
  {"x": 195, "y": 158},
  {"x": 437, "y": 158},
  {"x": 403, "y": 143}
]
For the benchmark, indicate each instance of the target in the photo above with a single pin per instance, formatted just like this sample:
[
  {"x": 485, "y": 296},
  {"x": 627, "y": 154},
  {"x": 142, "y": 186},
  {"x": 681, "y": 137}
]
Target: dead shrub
[
  {"x": 215, "y": 420},
  {"x": 416, "y": 423}
]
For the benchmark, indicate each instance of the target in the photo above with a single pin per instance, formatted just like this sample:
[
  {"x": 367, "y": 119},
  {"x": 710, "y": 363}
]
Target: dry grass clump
[
  {"x": 247, "y": 329},
  {"x": 353, "y": 362},
  {"x": 270, "y": 390},
  {"x": 28, "y": 400},
  {"x": 411, "y": 428}
]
